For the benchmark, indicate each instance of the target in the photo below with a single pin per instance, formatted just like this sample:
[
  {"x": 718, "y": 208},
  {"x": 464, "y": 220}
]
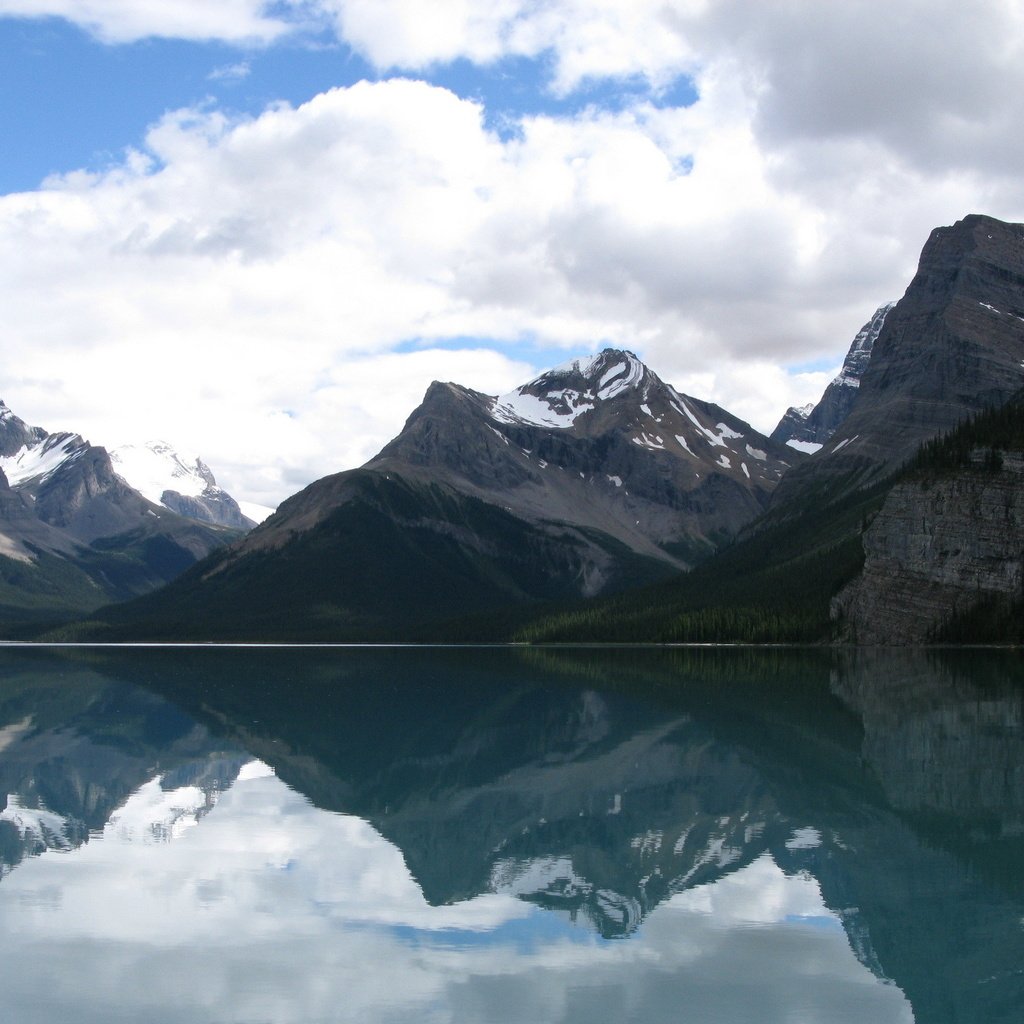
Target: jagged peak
[{"x": 558, "y": 397}]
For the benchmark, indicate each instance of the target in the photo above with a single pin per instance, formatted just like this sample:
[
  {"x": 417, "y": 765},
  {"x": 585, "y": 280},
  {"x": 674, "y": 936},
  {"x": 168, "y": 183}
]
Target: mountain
[
  {"x": 594, "y": 477},
  {"x": 75, "y": 535},
  {"x": 950, "y": 348},
  {"x": 874, "y": 538},
  {"x": 181, "y": 483},
  {"x": 808, "y": 428}
]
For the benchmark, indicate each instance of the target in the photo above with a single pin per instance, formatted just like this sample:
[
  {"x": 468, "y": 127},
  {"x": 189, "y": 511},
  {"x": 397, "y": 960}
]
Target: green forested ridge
[{"x": 776, "y": 584}]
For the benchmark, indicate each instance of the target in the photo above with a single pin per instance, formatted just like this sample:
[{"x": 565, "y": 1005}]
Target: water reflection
[{"x": 479, "y": 837}]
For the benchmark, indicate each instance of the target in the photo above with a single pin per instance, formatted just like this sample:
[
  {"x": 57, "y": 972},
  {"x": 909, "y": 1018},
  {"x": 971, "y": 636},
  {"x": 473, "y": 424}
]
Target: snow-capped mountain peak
[
  {"x": 182, "y": 483},
  {"x": 558, "y": 397},
  {"x": 808, "y": 428},
  {"x": 156, "y": 467}
]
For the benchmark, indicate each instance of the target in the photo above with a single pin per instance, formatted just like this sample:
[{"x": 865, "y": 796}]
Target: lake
[{"x": 268, "y": 836}]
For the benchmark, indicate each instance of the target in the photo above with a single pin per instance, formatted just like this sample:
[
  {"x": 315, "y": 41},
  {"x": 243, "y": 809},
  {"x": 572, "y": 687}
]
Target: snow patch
[
  {"x": 723, "y": 461},
  {"x": 256, "y": 512},
  {"x": 746, "y": 472},
  {"x": 518, "y": 407},
  {"x": 40, "y": 460},
  {"x": 844, "y": 443},
  {"x": 652, "y": 442},
  {"x": 617, "y": 480},
  {"x": 716, "y": 440},
  {"x": 620, "y": 377},
  {"x": 756, "y": 453},
  {"x": 810, "y": 447},
  {"x": 682, "y": 442}
]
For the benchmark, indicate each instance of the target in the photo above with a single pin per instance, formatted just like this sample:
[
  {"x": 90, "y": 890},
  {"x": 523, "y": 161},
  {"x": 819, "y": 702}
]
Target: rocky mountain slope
[
  {"x": 74, "y": 534},
  {"x": 593, "y": 477},
  {"x": 807, "y": 429},
  {"x": 951, "y": 347}
]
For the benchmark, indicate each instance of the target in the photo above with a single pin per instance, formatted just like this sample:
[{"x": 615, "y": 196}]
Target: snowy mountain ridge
[
  {"x": 159, "y": 473},
  {"x": 808, "y": 428},
  {"x": 180, "y": 482}
]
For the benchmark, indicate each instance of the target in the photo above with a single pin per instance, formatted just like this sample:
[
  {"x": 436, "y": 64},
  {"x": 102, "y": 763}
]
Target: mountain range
[
  {"x": 81, "y": 527},
  {"x": 593, "y": 478},
  {"x": 596, "y": 502}
]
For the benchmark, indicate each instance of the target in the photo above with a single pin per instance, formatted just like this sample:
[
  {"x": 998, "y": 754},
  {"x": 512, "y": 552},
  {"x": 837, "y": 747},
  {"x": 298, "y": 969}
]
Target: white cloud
[
  {"x": 588, "y": 39},
  {"x": 231, "y": 72},
  {"x": 123, "y": 21}
]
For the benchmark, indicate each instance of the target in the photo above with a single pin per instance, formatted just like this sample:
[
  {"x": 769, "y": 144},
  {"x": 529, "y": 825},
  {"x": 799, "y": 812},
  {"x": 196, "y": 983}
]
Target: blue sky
[
  {"x": 303, "y": 211},
  {"x": 96, "y": 99}
]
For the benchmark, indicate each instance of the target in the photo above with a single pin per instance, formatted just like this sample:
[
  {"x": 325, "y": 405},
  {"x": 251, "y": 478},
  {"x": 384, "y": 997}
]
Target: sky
[{"x": 258, "y": 229}]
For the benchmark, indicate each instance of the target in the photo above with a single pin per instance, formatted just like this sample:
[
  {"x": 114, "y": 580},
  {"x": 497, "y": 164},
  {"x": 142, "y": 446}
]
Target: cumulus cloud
[{"x": 586, "y": 39}]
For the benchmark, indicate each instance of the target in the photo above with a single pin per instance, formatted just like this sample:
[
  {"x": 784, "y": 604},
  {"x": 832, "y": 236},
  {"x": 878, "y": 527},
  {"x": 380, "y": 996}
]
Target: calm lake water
[{"x": 494, "y": 835}]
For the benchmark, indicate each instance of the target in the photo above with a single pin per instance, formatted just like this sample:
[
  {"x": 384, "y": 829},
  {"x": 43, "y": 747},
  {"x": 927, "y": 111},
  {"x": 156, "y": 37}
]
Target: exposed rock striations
[{"x": 939, "y": 547}]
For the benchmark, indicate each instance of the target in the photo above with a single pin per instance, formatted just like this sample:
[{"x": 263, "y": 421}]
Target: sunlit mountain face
[{"x": 391, "y": 835}]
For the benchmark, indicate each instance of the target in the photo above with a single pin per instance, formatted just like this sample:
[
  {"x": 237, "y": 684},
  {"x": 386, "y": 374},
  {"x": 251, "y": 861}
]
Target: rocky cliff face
[
  {"x": 938, "y": 547},
  {"x": 952, "y": 346},
  {"x": 602, "y": 443},
  {"x": 15, "y": 433}
]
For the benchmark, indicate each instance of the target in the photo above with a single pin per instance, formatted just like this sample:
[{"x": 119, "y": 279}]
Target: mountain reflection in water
[{"x": 512, "y": 835}]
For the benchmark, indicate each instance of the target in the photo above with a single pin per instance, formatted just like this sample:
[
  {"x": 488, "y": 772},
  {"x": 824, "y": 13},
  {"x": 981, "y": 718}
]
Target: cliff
[{"x": 941, "y": 547}]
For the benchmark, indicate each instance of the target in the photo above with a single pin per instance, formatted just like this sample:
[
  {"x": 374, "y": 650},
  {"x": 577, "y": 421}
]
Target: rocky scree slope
[{"x": 595, "y": 476}]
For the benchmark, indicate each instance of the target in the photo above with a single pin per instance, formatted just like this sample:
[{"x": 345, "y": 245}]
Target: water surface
[{"x": 511, "y": 835}]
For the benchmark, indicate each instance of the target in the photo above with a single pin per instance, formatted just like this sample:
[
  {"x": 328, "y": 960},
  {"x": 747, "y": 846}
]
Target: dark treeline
[{"x": 976, "y": 442}]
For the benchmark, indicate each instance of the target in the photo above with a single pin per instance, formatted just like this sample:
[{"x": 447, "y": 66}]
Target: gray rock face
[
  {"x": 936, "y": 548},
  {"x": 809, "y": 428},
  {"x": 601, "y": 443},
  {"x": 212, "y": 506},
  {"x": 952, "y": 346},
  {"x": 592, "y": 478}
]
